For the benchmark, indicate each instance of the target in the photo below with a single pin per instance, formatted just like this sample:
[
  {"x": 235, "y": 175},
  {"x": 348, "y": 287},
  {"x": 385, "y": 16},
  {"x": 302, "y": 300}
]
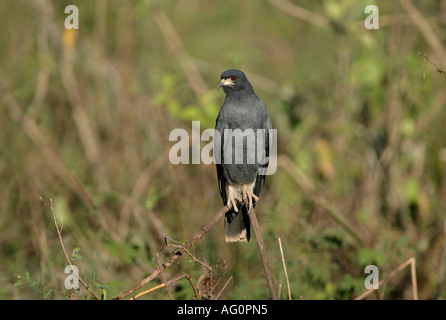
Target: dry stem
[
  {"x": 262, "y": 253},
  {"x": 284, "y": 269},
  {"x": 413, "y": 275},
  {"x": 177, "y": 254},
  {"x": 59, "y": 233},
  {"x": 184, "y": 249},
  {"x": 162, "y": 285},
  {"x": 163, "y": 276},
  {"x": 301, "y": 13},
  {"x": 310, "y": 190},
  {"x": 437, "y": 69}
]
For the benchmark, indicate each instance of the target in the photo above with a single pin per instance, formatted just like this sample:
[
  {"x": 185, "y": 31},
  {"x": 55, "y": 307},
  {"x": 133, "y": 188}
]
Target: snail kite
[{"x": 241, "y": 150}]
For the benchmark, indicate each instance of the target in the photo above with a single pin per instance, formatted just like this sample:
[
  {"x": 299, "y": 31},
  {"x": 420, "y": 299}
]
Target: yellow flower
[{"x": 69, "y": 39}]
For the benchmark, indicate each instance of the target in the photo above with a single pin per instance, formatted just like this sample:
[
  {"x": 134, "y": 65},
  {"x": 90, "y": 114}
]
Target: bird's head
[{"x": 233, "y": 80}]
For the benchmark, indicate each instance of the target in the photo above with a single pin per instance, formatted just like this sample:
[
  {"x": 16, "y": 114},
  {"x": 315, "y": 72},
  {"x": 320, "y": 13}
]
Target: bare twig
[
  {"x": 85, "y": 127},
  {"x": 48, "y": 151},
  {"x": 279, "y": 290},
  {"x": 284, "y": 269},
  {"x": 195, "y": 79},
  {"x": 177, "y": 254},
  {"x": 185, "y": 249},
  {"x": 262, "y": 253},
  {"x": 442, "y": 267},
  {"x": 301, "y": 13},
  {"x": 437, "y": 69},
  {"x": 43, "y": 75},
  {"x": 86, "y": 130},
  {"x": 189, "y": 278},
  {"x": 162, "y": 275},
  {"x": 141, "y": 184},
  {"x": 194, "y": 258},
  {"x": 424, "y": 27},
  {"x": 413, "y": 278},
  {"x": 411, "y": 262},
  {"x": 222, "y": 289},
  {"x": 425, "y": 119},
  {"x": 59, "y": 233},
  {"x": 162, "y": 285},
  {"x": 310, "y": 191}
]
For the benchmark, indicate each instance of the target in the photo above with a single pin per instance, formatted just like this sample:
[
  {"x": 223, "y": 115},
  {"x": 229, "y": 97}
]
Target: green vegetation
[{"x": 85, "y": 121}]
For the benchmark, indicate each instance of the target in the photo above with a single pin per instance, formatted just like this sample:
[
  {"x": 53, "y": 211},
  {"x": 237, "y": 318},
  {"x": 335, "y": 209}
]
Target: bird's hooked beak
[{"x": 225, "y": 82}]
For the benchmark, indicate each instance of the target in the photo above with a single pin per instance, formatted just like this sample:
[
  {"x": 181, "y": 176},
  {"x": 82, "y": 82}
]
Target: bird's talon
[
  {"x": 233, "y": 199},
  {"x": 248, "y": 195}
]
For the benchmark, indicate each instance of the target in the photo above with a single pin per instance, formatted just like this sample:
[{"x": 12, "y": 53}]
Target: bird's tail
[{"x": 237, "y": 225}]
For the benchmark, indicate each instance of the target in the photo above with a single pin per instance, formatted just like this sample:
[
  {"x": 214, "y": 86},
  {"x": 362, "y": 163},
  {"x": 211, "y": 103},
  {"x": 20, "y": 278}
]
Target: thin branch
[
  {"x": 413, "y": 278},
  {"x": 310, "y": 191},
  {"x": 424, "y": 27},
  {"x": 284, "y": 269},
  {"x": 184, "y": 249},
  {"x": 442, "y": 267},
  {"x": 279, "y": 289},
  {"x": 177, "y": 254},
  {"x": 301, "y": 13},
  {"x": 193, "y": 287},
  {"x": 48, "y": 151},
  {"x": 59, "y": 233},
  {"x": 437, "y": 69},
  {"x": 162, "y": 285},
  {"x": 162, "y": 275},
  {"x": 262, "y": 253},
  {"x": 227, "y": 282},
  {"x": 140, "y": 186},
  {"x": 87, "y": 134},
  {"x": 411, "y": 262},
  {"x": 195, "y": 79},
  {"x": 194, "y": 258}
]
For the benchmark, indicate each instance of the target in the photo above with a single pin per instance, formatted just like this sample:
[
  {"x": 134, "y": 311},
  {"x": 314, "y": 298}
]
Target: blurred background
[{"x": 85, "y": 122}]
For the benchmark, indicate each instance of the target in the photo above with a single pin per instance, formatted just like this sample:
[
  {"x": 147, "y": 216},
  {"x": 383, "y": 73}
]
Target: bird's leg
[
  {"x": 248, "y": 195},
  {"x": 232, "y": 199}
]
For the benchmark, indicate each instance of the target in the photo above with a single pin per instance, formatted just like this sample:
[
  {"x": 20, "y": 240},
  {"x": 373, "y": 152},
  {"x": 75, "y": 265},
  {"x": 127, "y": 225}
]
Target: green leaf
[
  {"x": 48, "y": 293},
  {"x": 411, "y": 189},
  {"x": 371, "y": 256},
  {"x": 18, "y": 283}
]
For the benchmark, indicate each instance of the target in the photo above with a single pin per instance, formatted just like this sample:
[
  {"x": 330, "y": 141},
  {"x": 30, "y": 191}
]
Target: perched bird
[{"x": 241, "y": 150}]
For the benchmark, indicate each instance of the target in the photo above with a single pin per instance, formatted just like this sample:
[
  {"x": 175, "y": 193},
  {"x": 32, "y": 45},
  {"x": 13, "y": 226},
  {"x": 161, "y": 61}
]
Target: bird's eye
[{"x": 233, "y": 78}]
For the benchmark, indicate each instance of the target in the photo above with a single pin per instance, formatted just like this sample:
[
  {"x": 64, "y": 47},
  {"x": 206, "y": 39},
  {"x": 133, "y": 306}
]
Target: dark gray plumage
[{"x": 240, "y": 182}]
